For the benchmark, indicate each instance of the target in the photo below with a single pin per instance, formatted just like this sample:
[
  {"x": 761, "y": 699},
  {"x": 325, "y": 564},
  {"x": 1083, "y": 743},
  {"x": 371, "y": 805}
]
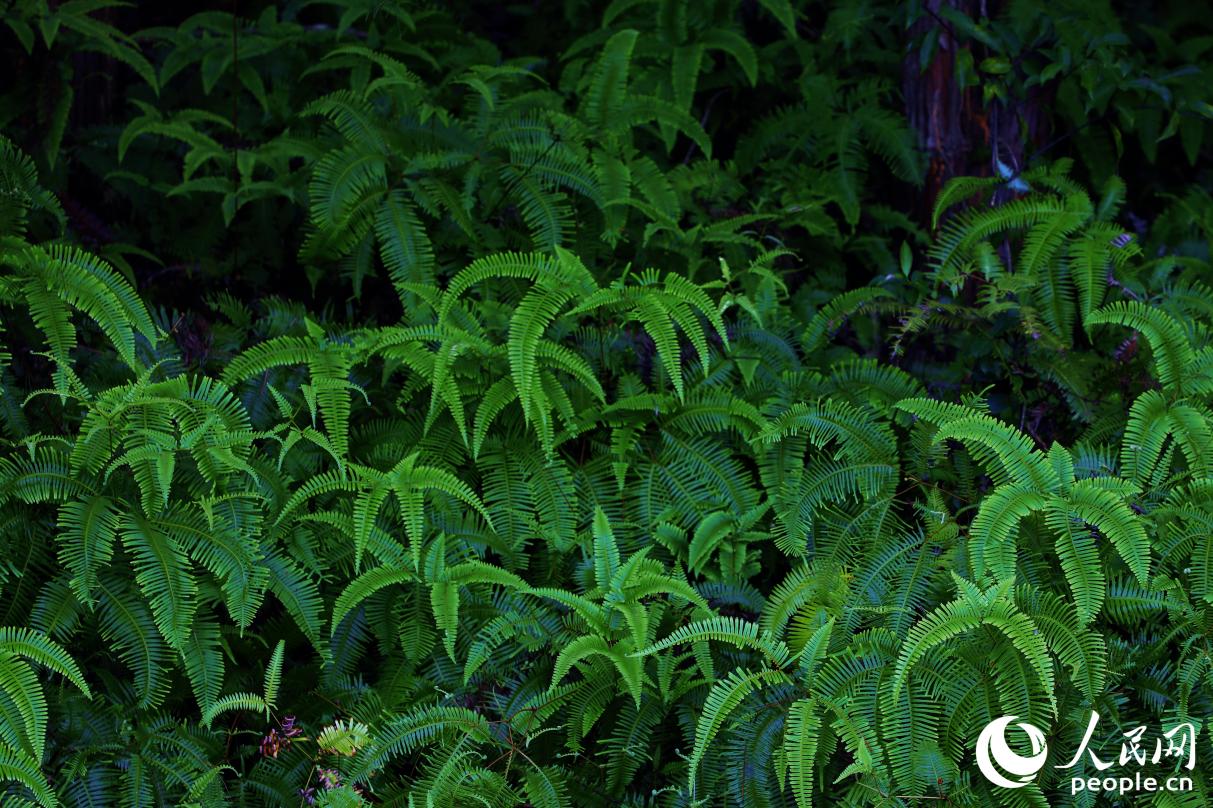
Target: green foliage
[{"x": 474, "y": 418}]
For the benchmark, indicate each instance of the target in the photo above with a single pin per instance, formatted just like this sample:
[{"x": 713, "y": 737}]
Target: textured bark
[
  {"x": 942, "y": 114},
  {"x": 959, "y": 134}
]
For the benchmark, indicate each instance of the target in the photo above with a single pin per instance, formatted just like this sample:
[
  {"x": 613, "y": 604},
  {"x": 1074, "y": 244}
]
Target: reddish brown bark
[{"x": 959, "y": 133}]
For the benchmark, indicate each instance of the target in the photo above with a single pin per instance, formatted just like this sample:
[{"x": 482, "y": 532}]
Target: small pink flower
[
  {"x": 271, "y": 744},
  {"x": 289, "y": 730}
]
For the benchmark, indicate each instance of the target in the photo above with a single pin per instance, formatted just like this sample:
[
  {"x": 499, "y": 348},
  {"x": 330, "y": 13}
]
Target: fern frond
[
  {"x": 235, "y": 701},
  {"x": 800, "y": 747},
  {"x": 732, "y": 630},
  {"x": 723, "y": 699},
  {"x": 1168, "y": 343}
]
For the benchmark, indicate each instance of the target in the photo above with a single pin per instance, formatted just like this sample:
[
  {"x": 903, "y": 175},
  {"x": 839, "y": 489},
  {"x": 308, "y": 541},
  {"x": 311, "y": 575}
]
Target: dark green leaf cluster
[{"x": 595, "y": 427}]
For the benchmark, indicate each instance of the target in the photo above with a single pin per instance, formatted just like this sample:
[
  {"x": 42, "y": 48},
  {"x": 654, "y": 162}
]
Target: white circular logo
[{"x": 993, "y": 754}]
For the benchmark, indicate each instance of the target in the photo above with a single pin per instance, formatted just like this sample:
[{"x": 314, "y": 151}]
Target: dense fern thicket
[{"x": 653, "y": 403}]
